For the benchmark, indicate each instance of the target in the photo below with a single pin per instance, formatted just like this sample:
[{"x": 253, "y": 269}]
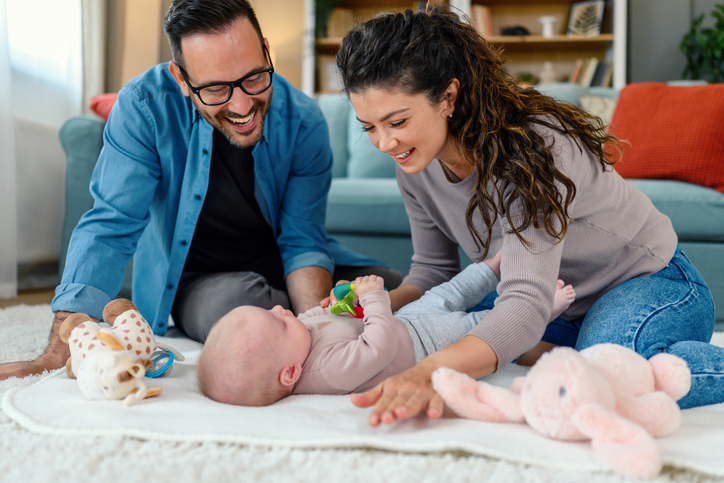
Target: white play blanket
[{"x": 181, "y": 413}]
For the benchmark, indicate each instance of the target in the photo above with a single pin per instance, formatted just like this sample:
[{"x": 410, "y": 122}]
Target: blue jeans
[{"x": 670, "y": 311}]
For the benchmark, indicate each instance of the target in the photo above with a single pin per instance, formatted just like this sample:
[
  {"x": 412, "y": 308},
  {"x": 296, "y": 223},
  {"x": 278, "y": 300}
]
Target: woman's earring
[{"x": 450, "y": 115}]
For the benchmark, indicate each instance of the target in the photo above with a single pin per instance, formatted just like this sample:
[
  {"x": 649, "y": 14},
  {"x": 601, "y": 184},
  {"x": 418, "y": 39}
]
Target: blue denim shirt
[{"x": 150, "y": 183}]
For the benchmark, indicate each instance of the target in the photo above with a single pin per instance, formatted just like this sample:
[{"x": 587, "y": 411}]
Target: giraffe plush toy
[{"x": 110, "y": 362}]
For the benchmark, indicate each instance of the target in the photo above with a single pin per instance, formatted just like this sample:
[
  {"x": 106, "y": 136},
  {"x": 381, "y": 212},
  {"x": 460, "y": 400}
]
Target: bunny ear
[{"x": 109, "y": 340}]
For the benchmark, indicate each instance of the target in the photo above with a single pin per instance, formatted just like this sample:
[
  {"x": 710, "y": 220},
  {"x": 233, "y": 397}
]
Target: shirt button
[
  {"x": 205, "y": 151},
  {"x": 197, "y": 197},
  {"x": 169, "y": 286},
  {"x": 184, "y": 243}
]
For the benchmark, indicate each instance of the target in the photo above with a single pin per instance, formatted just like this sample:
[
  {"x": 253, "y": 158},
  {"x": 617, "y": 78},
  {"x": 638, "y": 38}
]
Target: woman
[{"x": 487, "y": 165}]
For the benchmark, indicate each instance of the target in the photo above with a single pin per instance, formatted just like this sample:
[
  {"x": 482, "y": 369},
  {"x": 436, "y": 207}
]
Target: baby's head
[{"x": 253, "y": 356}]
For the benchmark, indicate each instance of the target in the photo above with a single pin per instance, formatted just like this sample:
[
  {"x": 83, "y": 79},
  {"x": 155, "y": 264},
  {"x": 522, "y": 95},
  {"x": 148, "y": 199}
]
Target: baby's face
[{"x": 285, "y": 333}]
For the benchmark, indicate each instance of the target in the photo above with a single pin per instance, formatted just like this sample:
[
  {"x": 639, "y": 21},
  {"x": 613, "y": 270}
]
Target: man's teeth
[
  {"x": 242, "y": 121},
  {"x": 403, "y": 155}
]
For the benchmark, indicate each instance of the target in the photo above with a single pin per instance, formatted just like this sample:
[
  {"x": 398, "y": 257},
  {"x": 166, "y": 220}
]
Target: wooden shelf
[
  {"x": 595, "y": 41},
  {"x": 603, "y": 39},
  {"x": 525, "y": 53}
]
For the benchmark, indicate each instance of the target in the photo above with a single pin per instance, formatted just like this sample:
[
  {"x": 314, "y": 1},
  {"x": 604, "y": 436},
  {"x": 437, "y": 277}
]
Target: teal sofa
[{"x": 365, "y": 211}]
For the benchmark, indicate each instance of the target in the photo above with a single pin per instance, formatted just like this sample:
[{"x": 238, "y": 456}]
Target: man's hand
[
  {"x": 368, "y": 283},
  {"x": 55, "y": 357},
  {"x": 306, "y": 286}
]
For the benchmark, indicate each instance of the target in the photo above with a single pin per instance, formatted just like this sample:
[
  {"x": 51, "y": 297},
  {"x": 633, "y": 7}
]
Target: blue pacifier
[{"x": 162, "y": 362}]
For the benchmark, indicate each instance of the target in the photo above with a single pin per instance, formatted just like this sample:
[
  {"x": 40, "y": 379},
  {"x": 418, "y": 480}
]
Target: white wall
[{"x": 656, "y": 28}]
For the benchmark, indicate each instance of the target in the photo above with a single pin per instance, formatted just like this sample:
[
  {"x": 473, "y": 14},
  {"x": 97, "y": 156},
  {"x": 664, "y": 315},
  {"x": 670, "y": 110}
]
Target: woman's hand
[
  {"x": 402, "y": 396},
  {"x": 409, "y": 393}
]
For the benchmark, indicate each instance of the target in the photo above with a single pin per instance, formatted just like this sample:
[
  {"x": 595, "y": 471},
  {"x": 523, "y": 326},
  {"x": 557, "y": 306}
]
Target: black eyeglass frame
[{"x": 232, "y": 85}]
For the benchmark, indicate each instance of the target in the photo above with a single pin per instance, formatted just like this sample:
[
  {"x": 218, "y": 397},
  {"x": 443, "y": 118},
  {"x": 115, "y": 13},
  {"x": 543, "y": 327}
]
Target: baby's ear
[{"x": 289, "y": 375}]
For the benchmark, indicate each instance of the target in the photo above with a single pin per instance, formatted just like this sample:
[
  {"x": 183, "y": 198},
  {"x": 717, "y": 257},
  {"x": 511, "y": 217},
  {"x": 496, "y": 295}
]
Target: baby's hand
[{"x": 368, "y": 283}]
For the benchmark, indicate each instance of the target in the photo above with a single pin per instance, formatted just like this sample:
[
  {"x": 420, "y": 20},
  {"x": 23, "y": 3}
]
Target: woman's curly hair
[{"x": 421, "y": 53}]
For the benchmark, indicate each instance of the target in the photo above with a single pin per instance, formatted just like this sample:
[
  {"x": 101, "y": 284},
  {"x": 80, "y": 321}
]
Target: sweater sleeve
[
  {"x": 526, "y": 291},
  {"x": 528, "y": 276},
  {"x": 348, "y": 365}
]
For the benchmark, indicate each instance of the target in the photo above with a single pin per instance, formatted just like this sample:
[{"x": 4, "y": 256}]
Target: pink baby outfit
[{"x": 357, "y": 354}]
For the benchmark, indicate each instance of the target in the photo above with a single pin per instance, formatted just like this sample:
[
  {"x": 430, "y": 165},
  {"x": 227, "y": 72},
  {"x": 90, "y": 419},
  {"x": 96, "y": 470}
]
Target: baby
[{"x": 255, "y": 357}]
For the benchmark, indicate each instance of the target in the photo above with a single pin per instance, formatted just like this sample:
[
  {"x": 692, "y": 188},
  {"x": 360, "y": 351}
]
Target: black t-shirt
[{"x": 231, "y": 233}]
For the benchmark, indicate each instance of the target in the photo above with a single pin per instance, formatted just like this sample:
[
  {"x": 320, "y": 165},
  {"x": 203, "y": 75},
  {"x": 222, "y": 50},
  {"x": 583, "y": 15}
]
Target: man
[{"x": 215, "y": 173}]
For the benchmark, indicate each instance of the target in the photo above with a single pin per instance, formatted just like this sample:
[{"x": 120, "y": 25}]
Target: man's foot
[{"x": 565, "y": 295}]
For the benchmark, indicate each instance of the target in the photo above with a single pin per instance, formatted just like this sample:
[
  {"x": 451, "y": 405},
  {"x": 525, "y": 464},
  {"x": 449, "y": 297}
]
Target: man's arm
[
  {"x": 404, "y": 294},
  {"x": 56, "y": 355},
  {"x": 306, "y": 286}
]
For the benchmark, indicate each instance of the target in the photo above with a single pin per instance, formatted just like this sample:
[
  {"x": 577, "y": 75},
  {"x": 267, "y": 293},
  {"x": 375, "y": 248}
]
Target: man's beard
[{"x": 240, "y": 139}]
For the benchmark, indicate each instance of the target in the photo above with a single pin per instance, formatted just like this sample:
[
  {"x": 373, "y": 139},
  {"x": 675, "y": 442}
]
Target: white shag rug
[{"x": 40, "y": 456}]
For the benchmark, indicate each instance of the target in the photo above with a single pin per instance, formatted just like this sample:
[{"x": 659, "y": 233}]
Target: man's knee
[{"x": 203, "y": 302}]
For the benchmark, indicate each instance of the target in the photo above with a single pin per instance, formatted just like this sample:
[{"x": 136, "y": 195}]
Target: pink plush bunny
[{"x": 607, "y": 394}]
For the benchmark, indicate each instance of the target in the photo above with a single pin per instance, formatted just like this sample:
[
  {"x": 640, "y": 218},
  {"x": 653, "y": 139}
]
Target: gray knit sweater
[{"x": 616, "y": 234}]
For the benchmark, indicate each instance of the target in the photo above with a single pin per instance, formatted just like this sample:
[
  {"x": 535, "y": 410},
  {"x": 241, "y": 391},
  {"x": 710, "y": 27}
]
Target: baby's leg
[
  {"x": 564, "y": 297},
  {"x": 463, "y": 291}
]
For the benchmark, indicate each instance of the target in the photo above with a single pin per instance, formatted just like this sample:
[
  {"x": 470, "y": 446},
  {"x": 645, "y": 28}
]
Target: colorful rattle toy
[{"x": 345, "y": 294}]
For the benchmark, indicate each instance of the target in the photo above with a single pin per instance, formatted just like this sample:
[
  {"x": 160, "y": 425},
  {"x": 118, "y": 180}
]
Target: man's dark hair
[{"x": 188, "y": 17}]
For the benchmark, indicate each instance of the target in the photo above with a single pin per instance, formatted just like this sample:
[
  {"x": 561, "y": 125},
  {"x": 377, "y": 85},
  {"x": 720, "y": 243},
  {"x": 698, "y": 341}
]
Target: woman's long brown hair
[{"x": 422, "y": 53}]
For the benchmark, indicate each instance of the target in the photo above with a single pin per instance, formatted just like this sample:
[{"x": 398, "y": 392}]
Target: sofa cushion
[
  {"x": 103, "y": 104},
  {"x": 357, "y": 205},
  {"x": 564, "y": 91},
  {"x": 365, "y": 160},
  {"x": 335, "y": 108},
  {"x": 697, "y": 213},
  {"x": 675, "y": 133}
]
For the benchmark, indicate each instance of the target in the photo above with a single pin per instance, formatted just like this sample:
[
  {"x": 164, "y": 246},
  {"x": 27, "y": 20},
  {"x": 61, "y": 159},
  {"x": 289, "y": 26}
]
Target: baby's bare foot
[{"x": 565, "y": 295}]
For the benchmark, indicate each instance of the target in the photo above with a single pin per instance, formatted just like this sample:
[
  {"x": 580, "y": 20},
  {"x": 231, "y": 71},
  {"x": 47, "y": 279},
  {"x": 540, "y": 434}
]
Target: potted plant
[
  {"x": 322, "y": 12},
  {"x": 704, "y": 48}
]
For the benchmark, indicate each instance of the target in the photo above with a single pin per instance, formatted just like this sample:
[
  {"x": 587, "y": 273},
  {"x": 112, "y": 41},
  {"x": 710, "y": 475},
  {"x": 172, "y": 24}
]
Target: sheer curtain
[
  {"x": 8, "y": 219},
  {"x": 43, "y": 55}
]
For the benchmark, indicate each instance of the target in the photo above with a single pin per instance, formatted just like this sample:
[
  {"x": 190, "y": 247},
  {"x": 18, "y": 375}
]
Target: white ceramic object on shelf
[{"x": 547, "y": 22}]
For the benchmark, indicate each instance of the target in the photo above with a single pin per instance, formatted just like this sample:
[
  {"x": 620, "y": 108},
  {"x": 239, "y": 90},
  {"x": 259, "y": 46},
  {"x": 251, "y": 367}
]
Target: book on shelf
[
  {"x": 576, "y": 72},
  {"x": 340, "y": 22},
  {"x": 482, "y": 20},
  {"x": 599, "y": 73},
  {"x": 419, "y": 5},
  {"x": 608, "y": 77},
  {"x": 588, "y": 71}
]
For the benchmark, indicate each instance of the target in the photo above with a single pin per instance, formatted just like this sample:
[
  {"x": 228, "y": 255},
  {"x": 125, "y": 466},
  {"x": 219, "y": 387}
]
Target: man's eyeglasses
[{"x": 252, "y": 84}]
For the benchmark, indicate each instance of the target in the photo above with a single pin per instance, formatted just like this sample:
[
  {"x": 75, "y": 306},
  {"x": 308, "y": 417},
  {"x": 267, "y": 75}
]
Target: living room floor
[{"x": 30, "y": 297}]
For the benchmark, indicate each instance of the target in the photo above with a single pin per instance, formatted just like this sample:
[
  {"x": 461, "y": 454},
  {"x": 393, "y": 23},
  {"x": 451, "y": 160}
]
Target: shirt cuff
[
  {"x": 308, "y": 259},
  {"x": 77, "y": 297}
]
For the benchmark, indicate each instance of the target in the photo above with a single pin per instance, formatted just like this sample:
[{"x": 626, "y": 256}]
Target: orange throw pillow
[
  {"x": 676, "y": 132},
  {"x": 102, "y": 104}
]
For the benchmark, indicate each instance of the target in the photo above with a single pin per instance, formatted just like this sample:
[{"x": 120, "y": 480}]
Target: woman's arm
[{"x": 408, "y": 393}]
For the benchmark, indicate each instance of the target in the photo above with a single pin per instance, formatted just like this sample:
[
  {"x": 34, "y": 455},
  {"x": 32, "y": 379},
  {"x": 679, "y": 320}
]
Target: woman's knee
[{"x": 648, "y": 314}]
